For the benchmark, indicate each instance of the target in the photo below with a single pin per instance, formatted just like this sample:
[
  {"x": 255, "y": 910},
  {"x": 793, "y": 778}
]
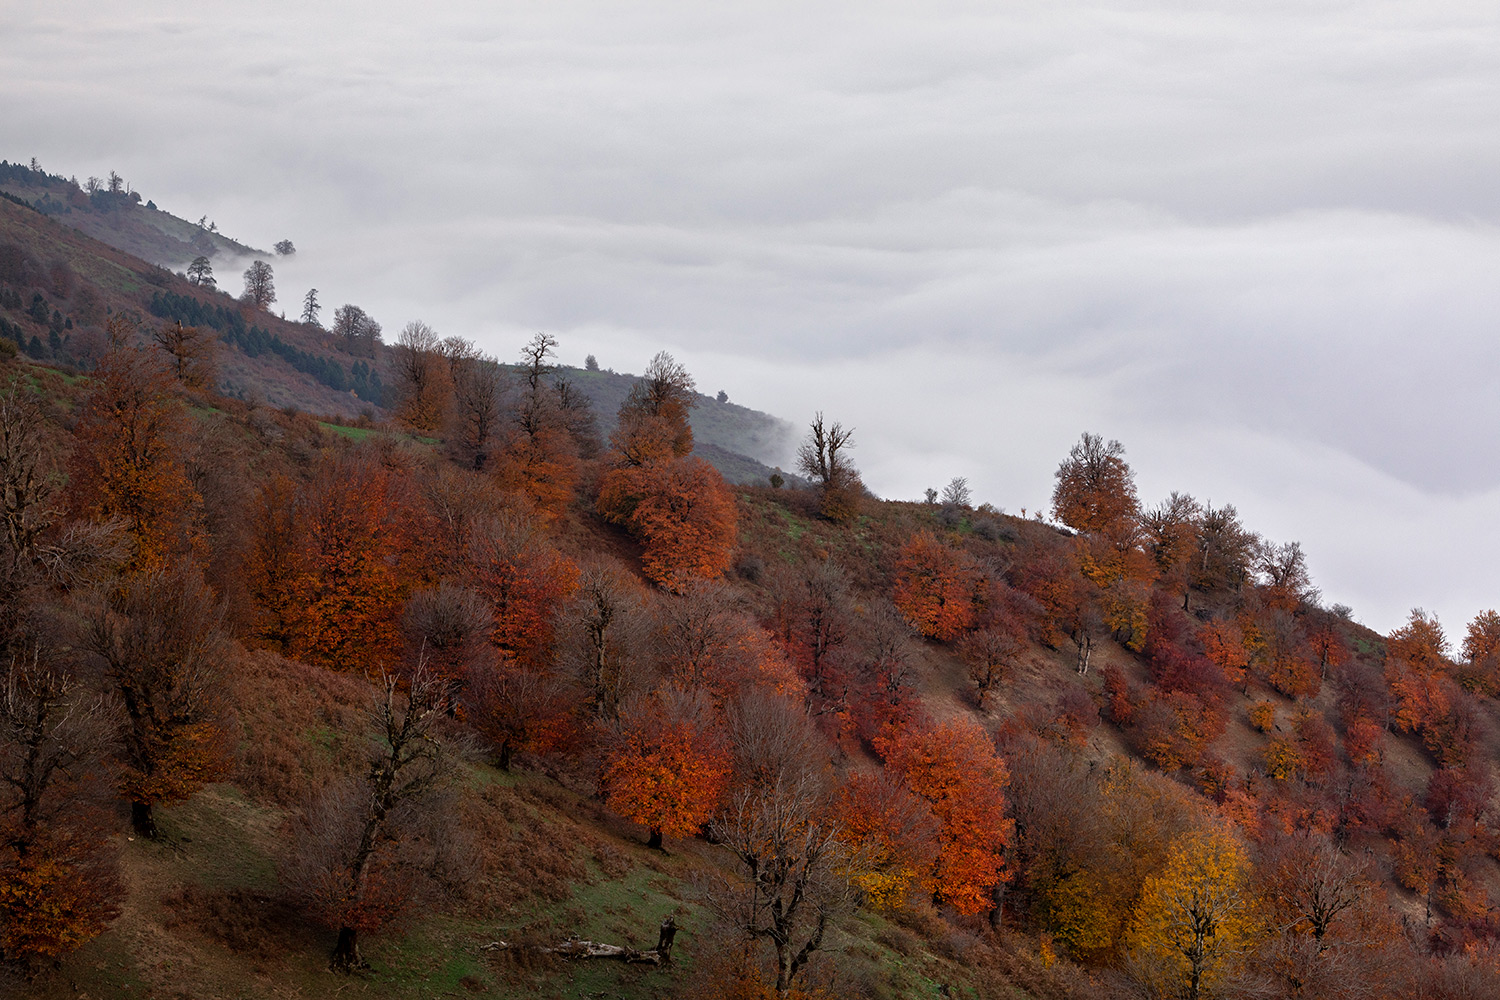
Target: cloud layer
[{"x": 1255, "y": 243}]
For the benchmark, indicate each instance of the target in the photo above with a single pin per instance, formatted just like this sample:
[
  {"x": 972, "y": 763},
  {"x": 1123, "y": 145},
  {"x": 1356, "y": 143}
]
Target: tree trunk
[
  {"x": 345, "y": 956},
  {"x": 505, "y": 752},
  {"x": 654, "y": 841},
  {"x": 142, "y": 821}
]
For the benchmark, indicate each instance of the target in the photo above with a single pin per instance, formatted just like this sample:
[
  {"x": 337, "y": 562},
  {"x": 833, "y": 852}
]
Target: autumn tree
[
  {"x": 127, "y": 463},
  {"x": 1416, "y": 667},
  {"x": 954, "y": 767},
  {"x": 1195, "y": 919},
  {"x": 664, "y": 765},
  {"x": 1169, "y": 534},
  {"x": 260, "y": 285},
  {"x": 1224, "y": 551},
  {"x": 1095, "y": 491},
  {"x": 524, "y": 579},
  {"x": 158, "y": 638},
  {"x": 58, "y": 886},
  {"x": 190, "y": 352},
  {"x": 1325, "y": 917},
  {"x": 519, "y": 709},
  {"x": 539, "y": 456},
  {"x": 1068, "y": 875},
  {"x": 275, "y": 562},
  {"x": 895, "y": 835},
  {"x": 370, "y": 846},
  {"x": 935, "y": 587},
  {"x": 682, "y": 512},
  {"x": 422, "y": 378},
  {"x": 653, "y": 420},
  {"x": 1284, "y": 569},
  {"x": 351, "y": 592},
  {"x": 823, "y": 458},
  {"x": 1482, "y": 640}
]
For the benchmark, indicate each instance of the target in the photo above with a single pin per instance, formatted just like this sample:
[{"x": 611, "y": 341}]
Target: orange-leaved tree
[
  {"x": 894, "y": 836},
  {"x": 1416, "y": 666},
  {"x": 524, "y": 578},
  {"x": 653, "y": 420},
  {"x": 58, "y": 886},
  {"x": 935, "y": 587},
  {"x": 127, "y": 463},
  {"x": 275, "y": 563},
  {"x": 954, "y": 767},
  {"x": 352, "y": 592},
  {"x": 665, "y": 766},
  {"x": 682, "y": 512},
  {"x": 1095, "y": 491}
]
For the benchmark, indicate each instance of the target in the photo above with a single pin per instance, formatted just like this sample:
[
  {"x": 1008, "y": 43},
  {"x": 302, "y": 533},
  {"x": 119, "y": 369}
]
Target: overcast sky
[{"x": 1257, "y": 242}]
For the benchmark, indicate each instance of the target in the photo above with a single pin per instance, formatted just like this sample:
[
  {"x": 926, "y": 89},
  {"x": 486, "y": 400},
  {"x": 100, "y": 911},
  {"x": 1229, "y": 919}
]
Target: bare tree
[
  {"x": 284, "y": 248},
  {"x": 988, "y": 653},
  {"x": 191, "y": 351},
  {"x": 260, "y": 285},
  {"x": 815, "y": 611},
  {"x": 957, "y": 493},
  {"x": 478, "y": 394},
  {"x": 823, "y": 459},
  {"x": 368, "y": 847},
  {"x": 29, "y": 478},
  {"x": 888, "y": 647},
  {"x": 602, "y": 635},
  {"x": 790, "y": 883},
  {"x": 54, "y": 734}
]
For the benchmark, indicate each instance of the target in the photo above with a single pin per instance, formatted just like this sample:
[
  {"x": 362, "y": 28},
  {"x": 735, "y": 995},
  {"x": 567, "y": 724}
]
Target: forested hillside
[{"x": 469, "y": 694}]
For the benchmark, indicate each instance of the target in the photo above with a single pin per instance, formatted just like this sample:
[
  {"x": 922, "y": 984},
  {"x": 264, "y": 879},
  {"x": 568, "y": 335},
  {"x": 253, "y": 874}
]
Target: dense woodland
[{"x": 471, "y": 663}]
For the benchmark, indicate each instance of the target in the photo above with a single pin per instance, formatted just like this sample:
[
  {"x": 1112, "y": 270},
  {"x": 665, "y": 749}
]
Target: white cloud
[{"x": 1256, "y": 243}]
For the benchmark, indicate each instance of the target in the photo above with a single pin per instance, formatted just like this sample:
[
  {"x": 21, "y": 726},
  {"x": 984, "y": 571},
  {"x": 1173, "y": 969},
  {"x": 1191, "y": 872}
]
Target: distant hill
[
  {"x": 120, "y": 218},
  {"x": 70, "y": 259}
]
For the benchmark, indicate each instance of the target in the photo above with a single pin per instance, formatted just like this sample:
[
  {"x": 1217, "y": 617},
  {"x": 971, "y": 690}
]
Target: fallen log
[{"x": 578, "y": 948}]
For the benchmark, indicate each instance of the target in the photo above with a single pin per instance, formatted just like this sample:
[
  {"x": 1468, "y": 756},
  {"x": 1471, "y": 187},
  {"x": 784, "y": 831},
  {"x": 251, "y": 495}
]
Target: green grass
[{"x": 352, "y": 433}]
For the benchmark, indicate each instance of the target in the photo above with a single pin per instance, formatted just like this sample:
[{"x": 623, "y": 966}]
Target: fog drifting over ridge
[{"x": 1257, "y": 245}]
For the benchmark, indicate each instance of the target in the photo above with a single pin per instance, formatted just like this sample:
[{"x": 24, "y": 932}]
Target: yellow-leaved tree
[{"x": 1195, "y": 919}]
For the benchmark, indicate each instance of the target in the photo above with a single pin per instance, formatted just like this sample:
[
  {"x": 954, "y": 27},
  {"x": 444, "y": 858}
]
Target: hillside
[
  {"x": 330, "y": 667},
  {"x": 120, "y": 218},
  {"x": 63, "y": 274},
  {"x": 1020, "y": 738}
]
